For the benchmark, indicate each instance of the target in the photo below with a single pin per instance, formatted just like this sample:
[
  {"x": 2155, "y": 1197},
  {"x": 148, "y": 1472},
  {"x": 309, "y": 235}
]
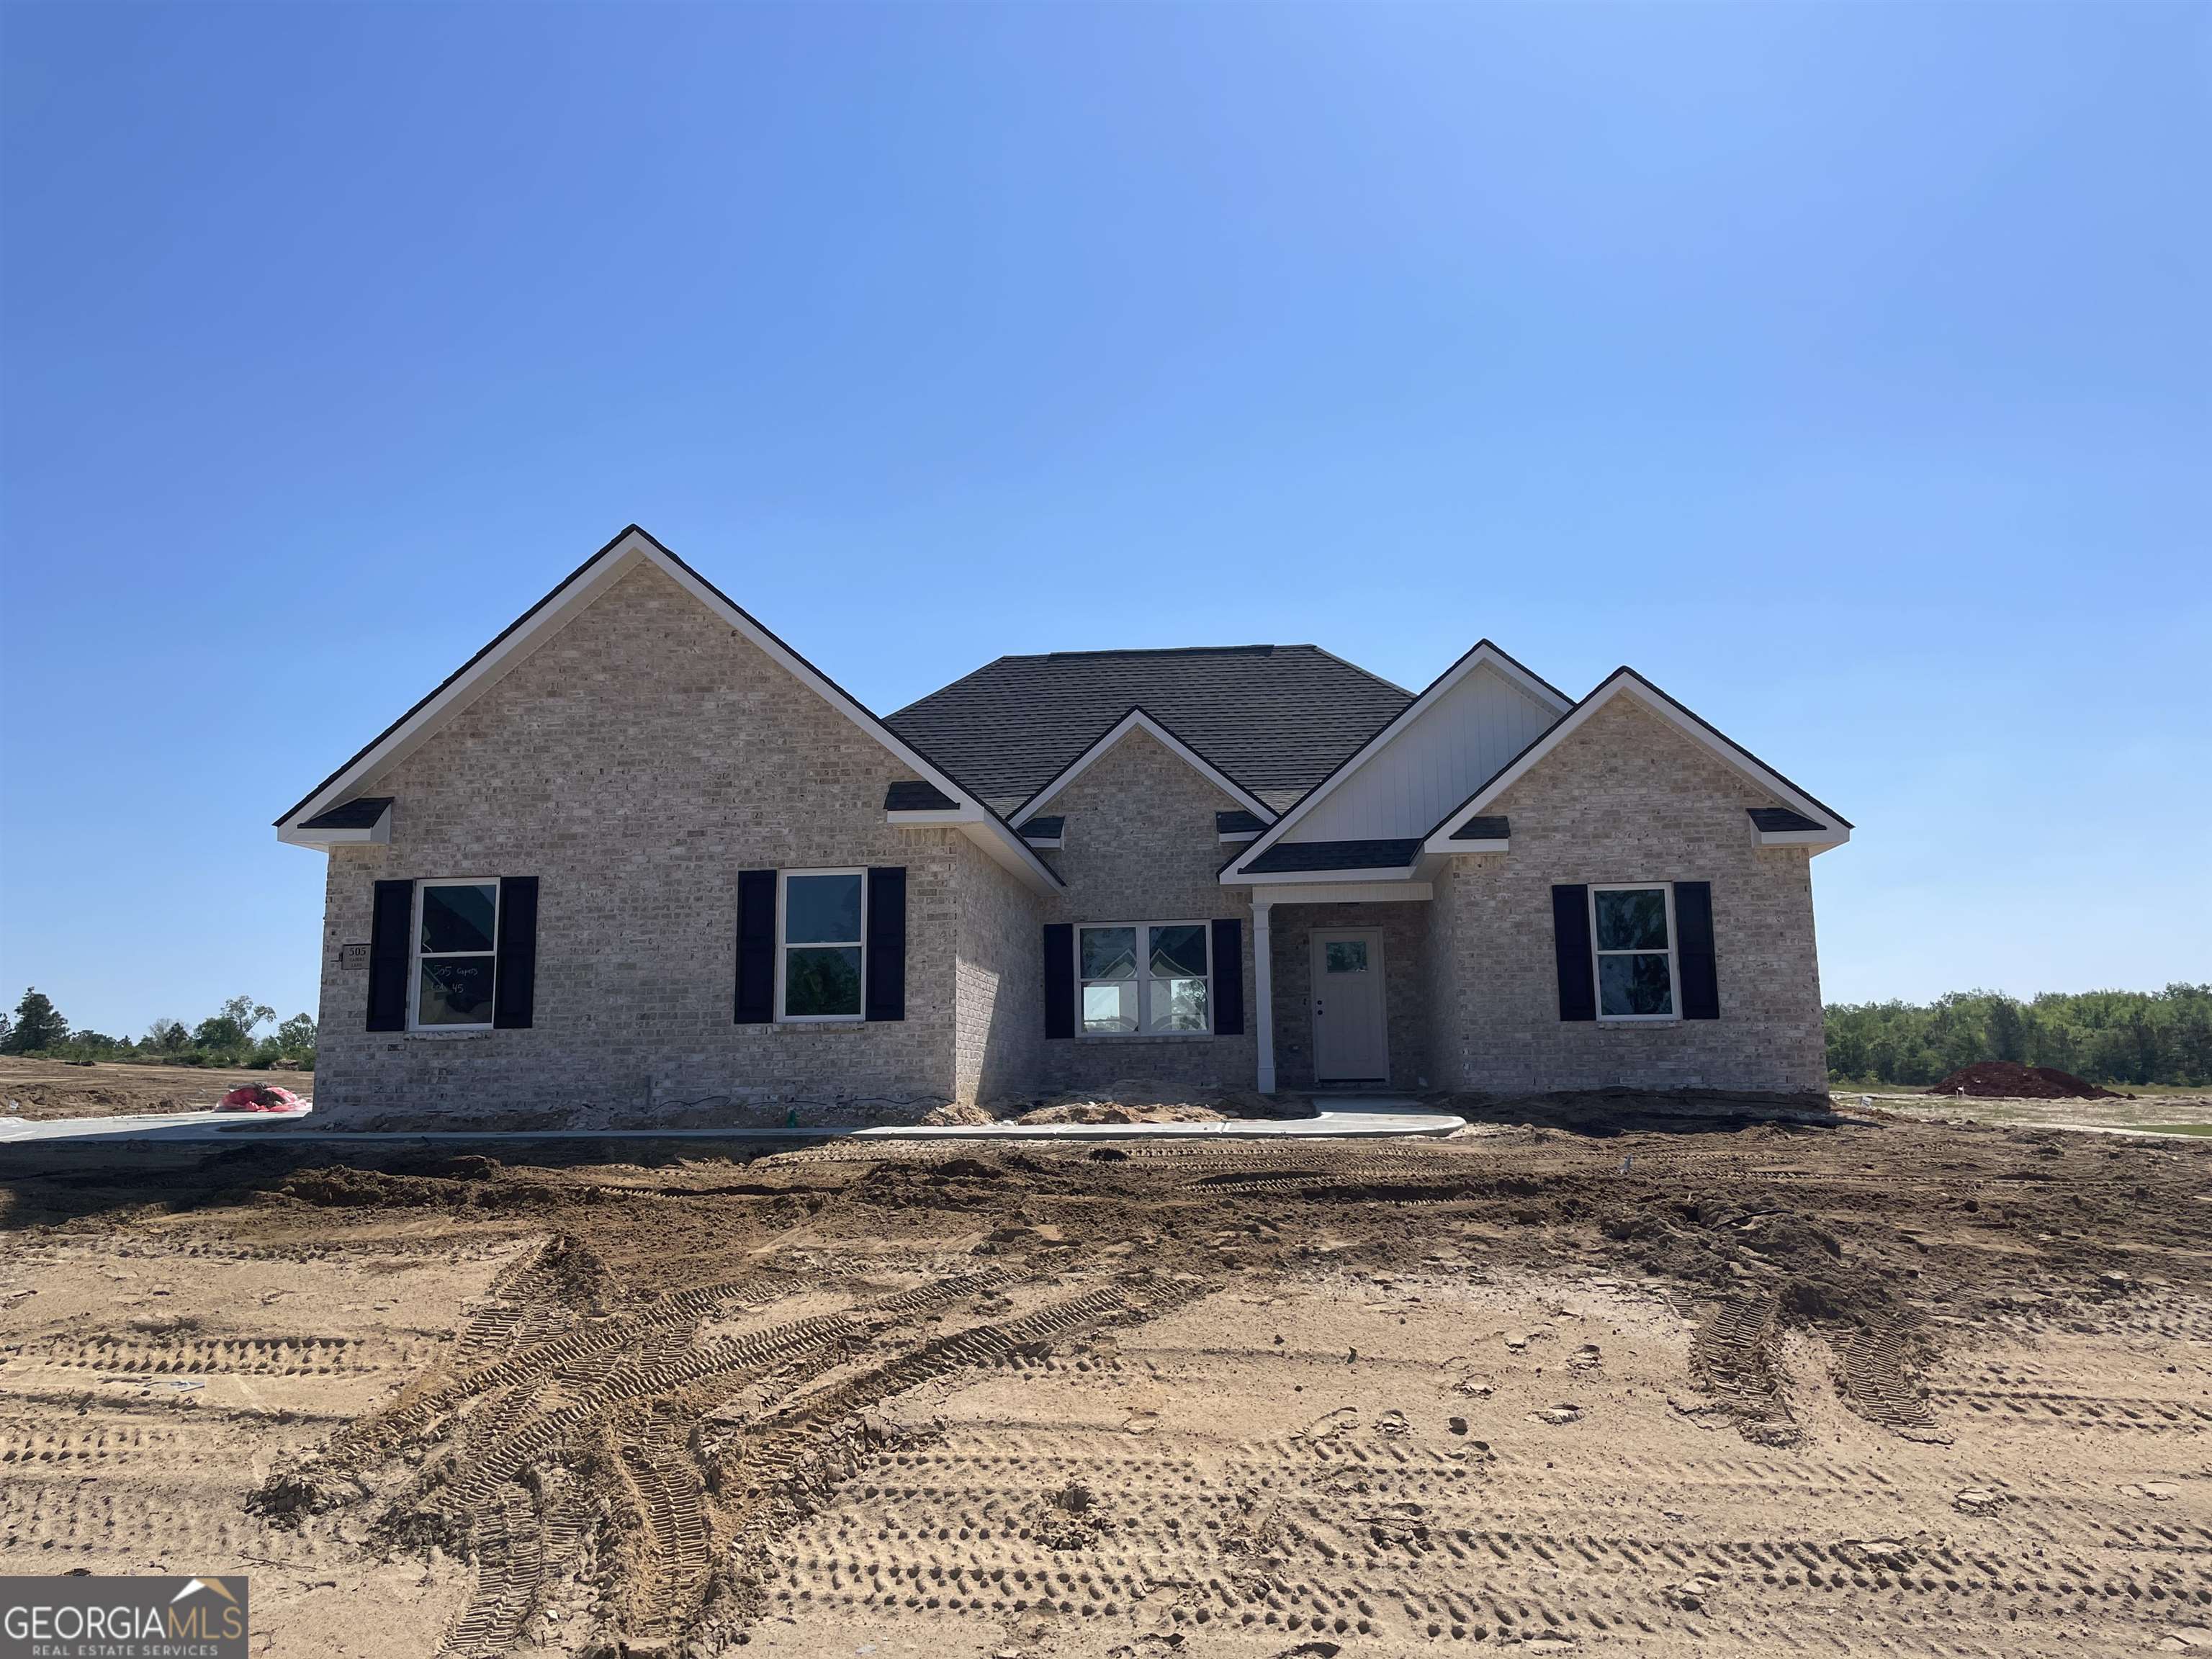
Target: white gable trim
[
  {"x": 545, "y": 618},
  {"x": 1627, "y": 682},
  {"x": 1137, "y": 720},
  {"x": 1483, "y": 654}
]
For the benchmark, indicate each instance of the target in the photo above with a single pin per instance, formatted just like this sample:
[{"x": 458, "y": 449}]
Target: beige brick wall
[
  {"x": 1001, "y": 996},
  {"x": 634, "y": 764},
  {"x": 1405, "y": 986},
  {"x": 1626, "y": 798},
  {"x": 1141, "y": 847}
]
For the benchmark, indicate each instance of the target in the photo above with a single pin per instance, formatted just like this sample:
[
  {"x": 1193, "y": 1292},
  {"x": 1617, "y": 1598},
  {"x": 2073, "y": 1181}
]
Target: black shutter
[
  {"x": 1060, "y": 979},
  {"x": 886, "y": 992},
  {"x": 514, "y": 979},
  {"x": 390, "y": 925},
  {"x": 1229, "y": 978},
  {"x": 1570, "y": 942},
  {"x": 1694, "y": 949},
  {"x": 756, "y": 947}
]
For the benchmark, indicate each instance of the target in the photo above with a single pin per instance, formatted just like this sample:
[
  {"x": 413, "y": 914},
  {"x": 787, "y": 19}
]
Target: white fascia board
[
  {"x": 1052, "y": 843},
  {"x": 934, "y": 815},
  {"x": 547, "y": 618},
  {"x": 1238, "y": 838},
  {"x": 377, "y": 835},
  {"x": 1313, "y": 877},
  {"x": 1468, "y": 847},
  {"x": 1483, "y": 654},
  {"x": 1626, "y": 681},
  {"x": 1356, "y": 892},
  {"x": 1819, "y": 839},
  {"x": 1138, "y": 719}
]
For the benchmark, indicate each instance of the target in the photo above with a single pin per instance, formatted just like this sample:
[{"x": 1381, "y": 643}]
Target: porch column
[{"x": 1263, "y": 991}]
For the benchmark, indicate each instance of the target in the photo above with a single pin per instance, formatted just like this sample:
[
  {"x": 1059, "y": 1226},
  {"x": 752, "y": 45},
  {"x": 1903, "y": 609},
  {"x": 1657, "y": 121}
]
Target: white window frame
[
  {"x": 416, "y": 954},
  {"x": 1144, "y": 982},
  {"x": 1673, "y": 956},
  {"x": 783, "y": 947}
]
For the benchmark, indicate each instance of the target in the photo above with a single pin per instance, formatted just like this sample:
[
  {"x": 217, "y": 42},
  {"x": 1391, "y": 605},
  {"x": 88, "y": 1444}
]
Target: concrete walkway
[{"x": 1344, "y": 1116}]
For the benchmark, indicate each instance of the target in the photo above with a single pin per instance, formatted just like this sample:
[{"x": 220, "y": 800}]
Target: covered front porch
[{"x": 1343, "y": 984}]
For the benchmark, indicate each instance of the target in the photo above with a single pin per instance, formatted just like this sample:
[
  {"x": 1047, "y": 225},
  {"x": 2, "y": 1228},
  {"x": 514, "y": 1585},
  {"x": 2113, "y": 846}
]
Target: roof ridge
[{"x": 1160, "y": 651}]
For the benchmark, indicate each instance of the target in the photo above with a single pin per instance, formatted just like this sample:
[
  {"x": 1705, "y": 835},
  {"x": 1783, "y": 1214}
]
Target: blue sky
[{"x": 1846, "y": 369}]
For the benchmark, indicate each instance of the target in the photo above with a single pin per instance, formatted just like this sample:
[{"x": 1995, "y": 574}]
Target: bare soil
[
  {"x": 1622, "y": 1382},
  {"x": 53, "y": 1088}
]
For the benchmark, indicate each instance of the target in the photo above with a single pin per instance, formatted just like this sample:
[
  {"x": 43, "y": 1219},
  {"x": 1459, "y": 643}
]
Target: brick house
[{"x": 638, "y": 857}]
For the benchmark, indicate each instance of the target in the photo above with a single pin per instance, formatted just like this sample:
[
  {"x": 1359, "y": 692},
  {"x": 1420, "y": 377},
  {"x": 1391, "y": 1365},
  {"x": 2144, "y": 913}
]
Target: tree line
[
  {"x": 2135, "y": 1037},
  {"x": 225, "y": 1037}
]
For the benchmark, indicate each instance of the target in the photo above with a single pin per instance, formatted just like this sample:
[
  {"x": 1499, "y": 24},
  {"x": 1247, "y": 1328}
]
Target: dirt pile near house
[{"x": 2008, "y": 1079}]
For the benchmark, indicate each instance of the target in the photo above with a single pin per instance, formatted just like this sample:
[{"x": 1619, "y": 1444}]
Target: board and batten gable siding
[
  {"x": 1141, "y": 847},
  {"x": 1625, "y": 799},
  {"x": 1448, "y": 750},
  {"x": 636, "y": 762}
]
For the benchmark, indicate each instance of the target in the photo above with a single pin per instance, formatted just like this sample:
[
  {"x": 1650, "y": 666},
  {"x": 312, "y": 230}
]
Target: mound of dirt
[
  {"x": 1116, "y": 1111},
  {"x": 956, "y": 1115},
  {"x": 2008, "y": 1079}
]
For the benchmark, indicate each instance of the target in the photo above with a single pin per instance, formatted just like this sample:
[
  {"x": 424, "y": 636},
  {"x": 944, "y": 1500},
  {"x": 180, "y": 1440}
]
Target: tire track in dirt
[
  {"x": 1732, "y": 1358},
  {"x": 1873, "y": 1375},
  {"x": 510, "y": 1571},
  {"x": 680, "y": 1556}
]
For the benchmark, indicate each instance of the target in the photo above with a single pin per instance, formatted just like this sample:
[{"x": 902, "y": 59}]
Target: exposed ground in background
[
  {"x": 2145, "y": 1107},
  {"x": 1892, "y": 1388},
  {"x": 53, "y": 1088}
]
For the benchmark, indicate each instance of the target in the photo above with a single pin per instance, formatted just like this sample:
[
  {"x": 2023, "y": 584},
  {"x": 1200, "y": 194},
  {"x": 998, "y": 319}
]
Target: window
[
  {"x": 1153, "y": 977},
  {"x": 1633, "y": 931},
  {"x": 456, "y": 930},
  {"x": 819, "y": 958}
]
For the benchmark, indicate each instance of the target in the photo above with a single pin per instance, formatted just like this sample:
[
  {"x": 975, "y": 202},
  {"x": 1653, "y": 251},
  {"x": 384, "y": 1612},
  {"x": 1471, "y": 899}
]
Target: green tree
[
  {"x": 38, "y": 1024},
  {"x": 168, "y": 1035},
  {"x": 2008, "y": 1031},
  {"x": 296, "y": 1037},
  {"x": 245, "y": 1013}
]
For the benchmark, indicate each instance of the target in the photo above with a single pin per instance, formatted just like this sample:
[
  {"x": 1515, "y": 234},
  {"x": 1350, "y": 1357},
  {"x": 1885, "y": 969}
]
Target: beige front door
[{"x": 1349, "y": 1040}]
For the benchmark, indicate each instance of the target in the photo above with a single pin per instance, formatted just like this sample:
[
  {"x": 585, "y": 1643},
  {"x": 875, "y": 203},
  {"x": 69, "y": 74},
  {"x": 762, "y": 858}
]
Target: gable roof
[
  {"x": 1826, "y": 828},
  {"x": 1137, "y": 720},
  {"x": 583, "y": 584},
  {"x": 1275, "y": 717},
  {"x": 1481, "y": 653}
]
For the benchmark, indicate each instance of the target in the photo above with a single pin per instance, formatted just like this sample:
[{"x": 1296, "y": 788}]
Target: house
[{"x": 638, "y": 856}]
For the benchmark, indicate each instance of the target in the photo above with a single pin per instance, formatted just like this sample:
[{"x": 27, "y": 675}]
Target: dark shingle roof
[
  {"x": 1271, "y": 716},
  {"x": 1288, "y": 855},
  {"x": 1481, "y": 829},
  {"x": 359, "y": 813},
  {"x": 1042, "y": 829},
  {"x": 1773, "y": 819},
  {"x": 916, "y": 796},
  {"x": 1238, "y": 823}
]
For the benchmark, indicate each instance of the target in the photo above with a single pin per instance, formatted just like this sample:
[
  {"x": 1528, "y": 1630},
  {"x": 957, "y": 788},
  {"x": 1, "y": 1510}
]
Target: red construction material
[{"x": 260, "y": 1097}]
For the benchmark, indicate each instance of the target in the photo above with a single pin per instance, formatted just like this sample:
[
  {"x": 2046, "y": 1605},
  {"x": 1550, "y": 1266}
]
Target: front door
[{"x": 1347, "y": 1005}]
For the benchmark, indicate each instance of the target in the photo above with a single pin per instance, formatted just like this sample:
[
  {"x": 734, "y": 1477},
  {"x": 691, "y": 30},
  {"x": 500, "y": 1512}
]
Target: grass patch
[{"x": 2174, "y": 1129}]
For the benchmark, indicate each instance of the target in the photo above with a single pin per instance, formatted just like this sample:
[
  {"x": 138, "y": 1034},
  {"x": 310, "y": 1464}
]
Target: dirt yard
[
  {"x": 53, "y": 1088},
  {"x": 1627, "y": 1385}
]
